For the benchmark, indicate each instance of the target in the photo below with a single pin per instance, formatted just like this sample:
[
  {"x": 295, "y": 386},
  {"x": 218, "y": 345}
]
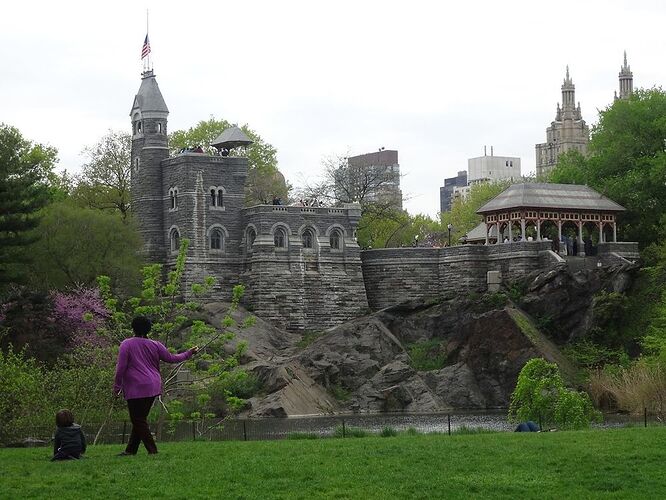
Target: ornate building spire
[
  {"x": 568, "y": 97},
  {"x": 626, "y": 79}
]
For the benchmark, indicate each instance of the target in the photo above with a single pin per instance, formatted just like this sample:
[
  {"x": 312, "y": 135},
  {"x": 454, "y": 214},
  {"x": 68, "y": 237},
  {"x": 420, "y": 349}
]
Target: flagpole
[{"x": 148, "y": 60}]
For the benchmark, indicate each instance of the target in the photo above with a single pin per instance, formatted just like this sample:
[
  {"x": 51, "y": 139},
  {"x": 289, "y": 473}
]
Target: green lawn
[{"x": 622, "y": 463}]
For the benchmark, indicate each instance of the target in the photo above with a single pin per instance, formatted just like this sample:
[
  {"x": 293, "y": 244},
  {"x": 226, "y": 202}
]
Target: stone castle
[{"x": 302, "y": 267}]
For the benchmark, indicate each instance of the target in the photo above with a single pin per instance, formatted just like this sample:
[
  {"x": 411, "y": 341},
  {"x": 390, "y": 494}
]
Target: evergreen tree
[{"x": 25, "y": 169}]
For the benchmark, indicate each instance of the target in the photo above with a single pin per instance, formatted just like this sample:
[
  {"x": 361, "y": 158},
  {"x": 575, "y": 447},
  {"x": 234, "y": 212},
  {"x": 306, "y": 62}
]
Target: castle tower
[
  {"x": 626, "y": 80},
  {"x": 567, "y": 132},
  {"x": 149, "y": 148}
]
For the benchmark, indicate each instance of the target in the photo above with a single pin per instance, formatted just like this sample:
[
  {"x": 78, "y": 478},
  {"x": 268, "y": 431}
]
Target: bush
[
  {"x": 427, "y": 355},
  {"x": 540, "y": 396},
  {"x": 355, "y": 432},
  {"x": 633, "y": 389},
  {"x": 388, "y": 432},
  {"x": 339, "y": 392}
]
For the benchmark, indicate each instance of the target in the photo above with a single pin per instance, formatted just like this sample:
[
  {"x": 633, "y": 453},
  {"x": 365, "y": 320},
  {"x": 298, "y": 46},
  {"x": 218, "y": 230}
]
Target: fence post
[
  {"x": 124, "y": 431},
  {"x": 194, "y": 433},
  {"x": 449, "y": 419},
  {"x": 343, "y": 428},
  {"x": 244, "y": 431},
  {"x": 645, "y": 415}
]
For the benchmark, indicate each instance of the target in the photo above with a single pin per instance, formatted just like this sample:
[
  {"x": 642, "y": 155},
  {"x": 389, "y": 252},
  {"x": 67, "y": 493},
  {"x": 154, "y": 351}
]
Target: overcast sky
[{"x": 435, "y": 80}]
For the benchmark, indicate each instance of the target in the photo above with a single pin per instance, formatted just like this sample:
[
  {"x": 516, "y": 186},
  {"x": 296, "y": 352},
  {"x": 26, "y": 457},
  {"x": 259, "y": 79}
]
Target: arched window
[
  {"x": 136, "y": 163},
  {"x": 251, "y": 236},
  {"x": 280, "y": 238},
  {"x": 217, "y": 197},
  {"x": 159, "y": 128},
  {"x": 173, "y": 199},
  {"x": 307, "y": 238},
  {"x": 138, "y": 127},
  {"x": 174, "y": 238},
  {"x": 216, "y": 239},
  {"x": 335, "y": 240}
]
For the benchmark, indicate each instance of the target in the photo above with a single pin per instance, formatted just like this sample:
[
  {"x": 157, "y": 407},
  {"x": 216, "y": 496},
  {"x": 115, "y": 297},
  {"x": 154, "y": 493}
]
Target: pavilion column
[
  {"x": 614, "y": 233},
  {"x": 510, "y": 232},
  {"x": 487, "y": 231},
  {"x": 499, "y": 236},
  {"x": 601, "y": 232},
  {"x": 538, "y": 225},
  {"x": 559, "y": 231},
  {"x": 581, "y": 248},
  {"x": 522, "y": 229}
]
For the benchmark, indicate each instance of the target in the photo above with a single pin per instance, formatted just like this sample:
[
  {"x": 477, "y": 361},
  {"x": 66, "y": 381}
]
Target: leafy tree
[
  {"x": 104, "y": 182},
  {"x": 161, "y": 300},
  {"x": 22, "y": 397},
  {"x": 463, "y": 217},
  {"x": 627, "y": 162},
  {"x": 540, "y": 396},
  {"x": 25, "y": 170},
  {"x": 342, "y": 182},
  {"x": 264, "y": 179},
  {"x": 76, "y": 245}
]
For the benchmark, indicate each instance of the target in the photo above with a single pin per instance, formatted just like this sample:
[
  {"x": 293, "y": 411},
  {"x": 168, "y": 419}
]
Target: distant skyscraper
[
  {"x": 492, "y": 168},
  {"x": 626, "y": 80},
  {"x": 446, "y": 191},
  {"x": 377, "y": 175},
  {"x": 567, "y": 132}
]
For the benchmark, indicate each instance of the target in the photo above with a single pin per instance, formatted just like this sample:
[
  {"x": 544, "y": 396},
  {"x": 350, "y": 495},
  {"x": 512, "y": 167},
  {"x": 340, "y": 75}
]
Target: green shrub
[
  {"x": 592, "y": 355},
  {"x": 541, "y": 396},
  {"x": 339, "y": 392},
  {"x": 307, "y": 339},
  {"x": 494, "y": 300},
  {"x": 388, "y": 432},
  {"x": 412, "y": 431},
  {"x": 427, "y": 356},
  {"x": 517, "y": 291}
]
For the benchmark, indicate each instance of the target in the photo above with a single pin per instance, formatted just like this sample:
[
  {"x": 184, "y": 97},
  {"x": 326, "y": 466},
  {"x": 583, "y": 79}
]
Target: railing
[{"x": 308, "y": 426}]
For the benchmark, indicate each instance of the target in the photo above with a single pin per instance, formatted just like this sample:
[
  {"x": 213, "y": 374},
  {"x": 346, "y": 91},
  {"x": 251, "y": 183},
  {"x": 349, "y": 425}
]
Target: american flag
[{"x": 146, "y": 48}]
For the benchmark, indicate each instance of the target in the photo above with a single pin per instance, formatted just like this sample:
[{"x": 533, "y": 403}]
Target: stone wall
[
  {"x": 393, "y": 275},
  {"x": 300, "y": 288}
]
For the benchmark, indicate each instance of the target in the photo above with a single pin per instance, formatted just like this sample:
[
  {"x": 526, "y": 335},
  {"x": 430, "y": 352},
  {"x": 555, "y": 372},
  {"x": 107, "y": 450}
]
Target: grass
[
  {"x": 427, "y": 355},
  {"x": 621, "y": 463}
]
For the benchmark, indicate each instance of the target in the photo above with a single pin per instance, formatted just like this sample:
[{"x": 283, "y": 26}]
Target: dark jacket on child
[{"x": 69, "y": 441}]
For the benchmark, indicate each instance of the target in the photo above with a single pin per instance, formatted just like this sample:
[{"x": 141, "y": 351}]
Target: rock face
[
  {"x": 369, "y": 364},
  {"x": 563, "y": 301}
]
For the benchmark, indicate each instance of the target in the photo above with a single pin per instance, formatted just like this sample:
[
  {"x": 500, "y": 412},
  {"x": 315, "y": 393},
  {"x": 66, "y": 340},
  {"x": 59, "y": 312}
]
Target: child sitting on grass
[{"x": 69, "y": 440}]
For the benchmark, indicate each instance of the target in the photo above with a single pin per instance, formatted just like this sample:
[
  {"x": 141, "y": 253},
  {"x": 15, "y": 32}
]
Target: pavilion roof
[{"x": 550, "y": 196}]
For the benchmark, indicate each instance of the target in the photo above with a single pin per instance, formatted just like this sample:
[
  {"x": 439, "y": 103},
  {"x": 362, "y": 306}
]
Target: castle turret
[
  {"x": 149, "y": 148},
  {"x": 626, "y": 80}
]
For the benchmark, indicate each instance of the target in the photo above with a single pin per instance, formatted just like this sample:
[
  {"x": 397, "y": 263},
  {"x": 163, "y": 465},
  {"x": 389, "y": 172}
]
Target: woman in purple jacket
[{"x": 138, "y": 377}]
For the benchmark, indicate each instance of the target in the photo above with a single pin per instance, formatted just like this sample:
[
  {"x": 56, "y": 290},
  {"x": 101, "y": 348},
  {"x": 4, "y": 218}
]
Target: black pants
[
  {"x": 64, "y": 455},
  {"x": 138, "y": 411}
]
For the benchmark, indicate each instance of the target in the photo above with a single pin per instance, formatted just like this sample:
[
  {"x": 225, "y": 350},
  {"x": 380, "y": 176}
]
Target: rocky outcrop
[
  {"x": 368, "y": 364},
  {"x": 562, "y": 301}
]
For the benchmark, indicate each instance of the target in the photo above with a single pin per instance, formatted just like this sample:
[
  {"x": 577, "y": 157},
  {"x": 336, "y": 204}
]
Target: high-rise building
[
  {"x": 373, "y": 176},
  {"x": 492, "y": 168},
  {"x": 626, "y": 80},
  {"x": 567, "y": 132},
  {"x": 446, "y": 191}
]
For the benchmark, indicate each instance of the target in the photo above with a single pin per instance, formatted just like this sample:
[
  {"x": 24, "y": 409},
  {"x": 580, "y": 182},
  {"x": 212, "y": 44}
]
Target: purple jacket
[{"x": 138, "y": 367}]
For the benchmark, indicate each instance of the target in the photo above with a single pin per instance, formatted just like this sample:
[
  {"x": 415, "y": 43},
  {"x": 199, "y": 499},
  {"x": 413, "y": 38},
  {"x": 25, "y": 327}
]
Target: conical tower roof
[
  {"x": 232, "y": 137},
  {"x": 149, "y": 98}
]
